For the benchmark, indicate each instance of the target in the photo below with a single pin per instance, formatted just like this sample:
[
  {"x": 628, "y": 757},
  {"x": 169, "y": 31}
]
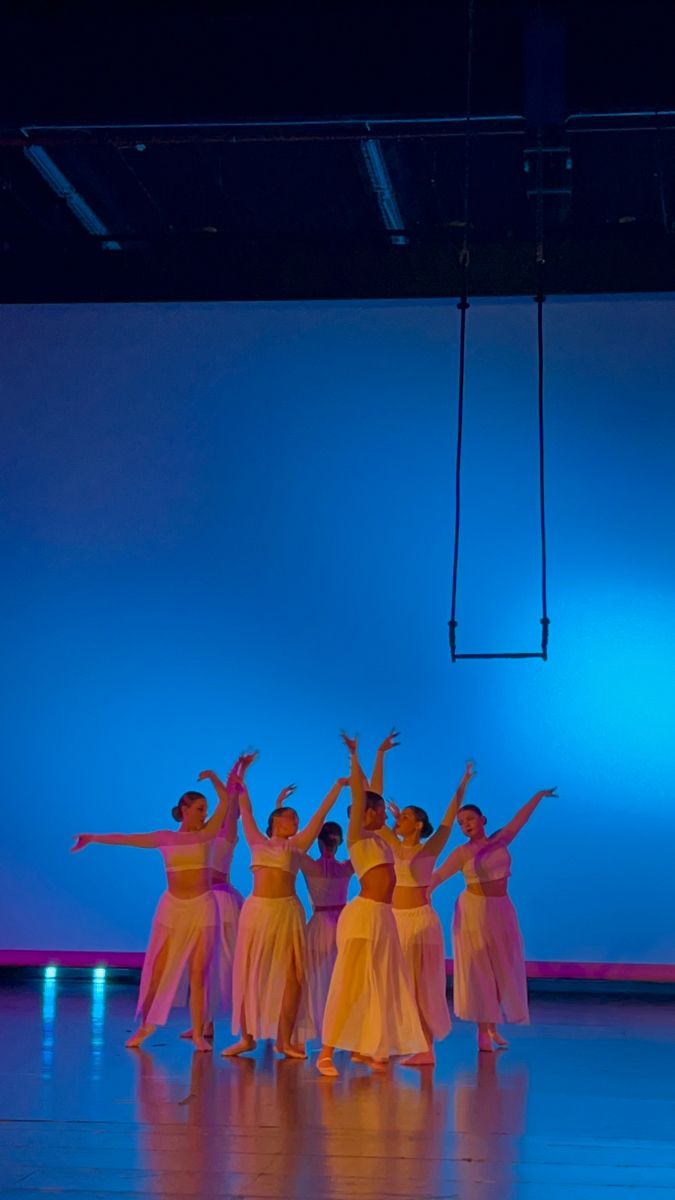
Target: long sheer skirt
[
  {"x": 270, "y": 943},
  {"x": 371, "y": 1008},
  {"x": 421, "y": 937},
  {"x": 490, "y": 982},
  {"x": 179, "y": 928},
  {"x": 319, "y": 963},
  {"x": 229, "y": 902}
]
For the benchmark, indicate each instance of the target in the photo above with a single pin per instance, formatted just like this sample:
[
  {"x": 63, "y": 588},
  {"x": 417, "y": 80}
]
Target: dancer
[
  {"x": 416, "y": 848},
  {"x": 327, "y": 883},
  {"x": 270, "y": 954},
  {"x": 490, "y": 982},
  {"x": 371, "y": 1008},
  {"x": 185, "y": 922},
  {"x": 229, "y": 901}
]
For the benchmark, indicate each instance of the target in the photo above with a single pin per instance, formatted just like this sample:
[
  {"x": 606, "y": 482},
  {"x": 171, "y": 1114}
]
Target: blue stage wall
[{"x": 231, "y": 524}]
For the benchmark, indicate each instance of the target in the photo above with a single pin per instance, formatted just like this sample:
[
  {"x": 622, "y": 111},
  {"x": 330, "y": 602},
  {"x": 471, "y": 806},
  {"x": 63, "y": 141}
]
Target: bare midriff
[
  {"x": 273, "y": 884},
  {"x": 410, "y": 897},
  {"x": 378, "y": 883},
  {"x": 491, "y": 887},
  {"x": 186, "y": 885}
]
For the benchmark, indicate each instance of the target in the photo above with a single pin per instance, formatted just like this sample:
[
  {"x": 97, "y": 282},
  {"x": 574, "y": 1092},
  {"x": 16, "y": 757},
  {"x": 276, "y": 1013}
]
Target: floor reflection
[{"x": 490, "y": 1120}]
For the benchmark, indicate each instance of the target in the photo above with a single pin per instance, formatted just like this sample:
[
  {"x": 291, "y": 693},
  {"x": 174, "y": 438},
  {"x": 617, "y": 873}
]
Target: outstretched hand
[
  {"x": 352, "y": 743},
  {"x": 245, "y": 761},
  {"x": 393, "y": 809},
  {"x": 469, "y": 772},
  {"x": 549, "y": 792},
  {"x": 390, "y": 742},
  {"x": 81, "y": 840},
  {"x": 285, "y": 793}
]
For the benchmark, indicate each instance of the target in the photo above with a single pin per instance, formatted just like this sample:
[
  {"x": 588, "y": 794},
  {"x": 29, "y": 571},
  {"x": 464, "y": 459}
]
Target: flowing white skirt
[
  {"x": 421, "y": 936},
  {"x": 229, "y": 902},
  {"x": 270, "y": 943},
  {"x": 371, "y": 1008},
  {"x": 490, "y": 983},
  {"x": 319, "y": 962},
  {"x": 179, "y": 927}
]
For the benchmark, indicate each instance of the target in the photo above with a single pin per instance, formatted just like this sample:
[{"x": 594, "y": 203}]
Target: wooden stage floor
[{"x": 581, "y": 1106}]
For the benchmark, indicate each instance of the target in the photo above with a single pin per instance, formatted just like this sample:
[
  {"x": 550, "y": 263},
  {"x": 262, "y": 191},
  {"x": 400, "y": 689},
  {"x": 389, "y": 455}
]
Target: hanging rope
[{"x": 463, "y": 307}]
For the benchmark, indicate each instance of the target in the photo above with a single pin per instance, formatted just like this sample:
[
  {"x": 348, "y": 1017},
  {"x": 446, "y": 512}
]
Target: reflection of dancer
[
  {"x": 327, "y": 883},
  {"x": 418, "y": 924},
  {"x": 184, "y": 926},
  {"x": 270, "y": 954},
  {"x": 371, "y": 1008},
  {"x": 490, "y": 1112},
  {"x": 490, "y": 983}
]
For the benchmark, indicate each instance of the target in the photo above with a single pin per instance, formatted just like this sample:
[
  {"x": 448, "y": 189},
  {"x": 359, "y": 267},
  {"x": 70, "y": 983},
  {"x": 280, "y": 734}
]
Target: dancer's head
[
  {"x": 283, "y": 822},
  {"x": 413, "y": 823},
  {"x": 190, "y": 811},
  {"x": 330, "y": 838},
  {"x": 471, "y": 822},
  {"x": 375, "y": 814}
]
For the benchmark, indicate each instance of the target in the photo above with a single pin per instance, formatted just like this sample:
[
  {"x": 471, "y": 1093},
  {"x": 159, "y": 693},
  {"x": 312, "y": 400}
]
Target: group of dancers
[{"x": 366, "y": 976}]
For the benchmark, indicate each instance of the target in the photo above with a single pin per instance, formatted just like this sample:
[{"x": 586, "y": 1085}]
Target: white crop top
[
  {"x": 491, "y": 861},
  {"x": 222, "y": 851},
  {"x": 327, "y": 880},
  {"x": 413, "y": 867},
  {"x": 275, "y": 852},
  {"x": 370, "y": 851},
  {"x": 186, "y": 856}
]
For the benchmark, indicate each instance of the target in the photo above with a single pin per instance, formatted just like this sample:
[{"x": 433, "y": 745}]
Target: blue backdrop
[{"x": 231, "y": 524}]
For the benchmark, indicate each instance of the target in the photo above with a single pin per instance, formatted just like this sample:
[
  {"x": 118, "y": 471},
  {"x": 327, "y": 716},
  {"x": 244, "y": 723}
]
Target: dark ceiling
[{"x": 280, "y": 151}]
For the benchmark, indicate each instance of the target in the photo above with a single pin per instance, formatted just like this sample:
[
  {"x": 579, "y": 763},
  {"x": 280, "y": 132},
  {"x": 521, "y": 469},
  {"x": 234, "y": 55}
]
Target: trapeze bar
[{"x": 523, "y": 654}]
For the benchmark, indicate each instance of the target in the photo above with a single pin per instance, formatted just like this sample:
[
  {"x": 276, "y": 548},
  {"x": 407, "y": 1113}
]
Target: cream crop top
[
  {"x": 186, "y": 856},
  {"x": 370, "y": 851},
  {"x": 491, "y": 861},
  {"x": 277, "y": 853},
  {"x": 222, "y": 851},
  {"x": 413, "y": 869},
  {"x": 327, "y": 880}
]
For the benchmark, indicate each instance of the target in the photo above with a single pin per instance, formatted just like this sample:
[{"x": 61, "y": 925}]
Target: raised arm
[
  {"x": 248, "y": 823},
  {"x": 226, "y": 813},
  {"x": 142, "y": 841},
  {"x": 451, "y": 866},
  {"x": 514, "y": 826},
  {"x": 357, "y": 811},
  {"x": 438, "y": 840},
  {"x": 377, "y": 777},
  {"x": 304, "y": 838},
  {"x": 227, "y": 808}
]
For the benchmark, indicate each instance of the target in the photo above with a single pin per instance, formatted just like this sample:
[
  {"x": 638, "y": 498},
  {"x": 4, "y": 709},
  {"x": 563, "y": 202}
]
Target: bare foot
[
  {"x": 425, "y": 1058},
  {"x": 243, "y": 1047},
  {"x": 326, "y": 1066},
  {"x": 200, "y": 1043},
  {"x": 485, "y": 1043},
  {"x": 139, "y": 1036},
  {"x": 498, "y": 1040},
  {"x": 290, "y": 1051},
  {"x": 378, "y": 1064},
  {"x": 360, "y": 1058},
  {"x": 207, "y": 1032}
]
